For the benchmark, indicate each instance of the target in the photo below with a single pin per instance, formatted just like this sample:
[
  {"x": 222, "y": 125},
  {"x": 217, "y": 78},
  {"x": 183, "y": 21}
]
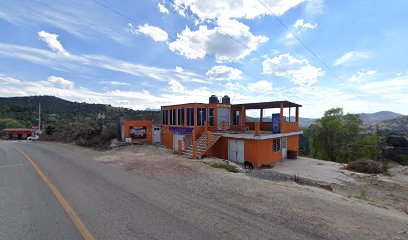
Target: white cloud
[
  {"x": 362, "y": 76},
  {"x": 301, "y": 25},
  {"x": 155, "y": 33},
  {"x": 393, "y": 88},
  {"x": 75, "y": 18},
  {"x": 351, "y": 57},
  {"x": 233, "y": 86},
  {"x": 299, "y": 70},
  {"x": 175, "y": 86},
  {"x": 115, "y": 83},
  {"x": 179, "y": 69},
  {"x": 87, "y": 63},
  {"x": 298, "y": 28},
  {"x": 52, "y": 41},
  {"x": 262, "y": 87},
  {"x": 224, "y": 73},
  {"x": 315, "y": 7},
  {"x": 214, "y": 9},
  {"x": 162, "y": 8},
  {"x": 196, "y": 44},
  {"x": 60, "y": 82},
  {"x": 9, "y": 80}
]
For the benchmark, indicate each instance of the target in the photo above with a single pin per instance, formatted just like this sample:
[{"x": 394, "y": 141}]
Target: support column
[
  {"x": 180, "y": 146},
  {"x": 281, "y": 117},
  {"x": 195, "y": 122},
  {"x": 297, "y": 117},
  {"x": 257, "y": 129},
  {"x": 242, "y": 123},
  {"x": 260, "y": 120}
]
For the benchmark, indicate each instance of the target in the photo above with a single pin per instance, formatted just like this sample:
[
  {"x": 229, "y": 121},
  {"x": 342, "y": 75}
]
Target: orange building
[
  {"x": 137, "y": 130},
  {"x": 20, "y": 133},
  {"x": 222, "y": 130}
]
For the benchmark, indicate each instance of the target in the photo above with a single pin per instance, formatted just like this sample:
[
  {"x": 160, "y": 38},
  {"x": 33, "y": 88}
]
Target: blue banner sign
[
  {"x": 180, "y": 130},
  {"x": 276, "y": 123}
]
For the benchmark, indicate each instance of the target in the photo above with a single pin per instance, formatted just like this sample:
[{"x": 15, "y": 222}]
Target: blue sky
[{"x": 174, "y": 51}]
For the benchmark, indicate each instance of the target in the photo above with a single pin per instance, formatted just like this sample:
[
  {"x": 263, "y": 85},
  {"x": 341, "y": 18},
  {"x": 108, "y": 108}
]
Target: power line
[
  {"x": 311, "y": 51},
  {"x": 246, "y": 46},
  {"x": 204, "y": 53}
]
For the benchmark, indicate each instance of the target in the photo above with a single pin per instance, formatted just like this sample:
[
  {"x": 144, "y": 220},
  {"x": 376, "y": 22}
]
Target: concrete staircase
[{"x": 202, "y": 144}]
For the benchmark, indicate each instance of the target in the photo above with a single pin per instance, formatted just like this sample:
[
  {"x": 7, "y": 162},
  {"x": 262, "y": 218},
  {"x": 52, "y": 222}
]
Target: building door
[
  {"x": 284, "y": 148},
  {"x": 236, "y": 151},
  {"x": 176, "y": 138},
  {"x": 156, "y": 135},
  {"x": 223, "y": 115}
]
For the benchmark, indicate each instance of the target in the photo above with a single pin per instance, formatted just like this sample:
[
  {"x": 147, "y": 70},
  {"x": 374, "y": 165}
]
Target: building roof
[
  {"x": 183, "y": 104},
  {"x": 266, "y": 105},
  {"x": 17, "y": 129}
]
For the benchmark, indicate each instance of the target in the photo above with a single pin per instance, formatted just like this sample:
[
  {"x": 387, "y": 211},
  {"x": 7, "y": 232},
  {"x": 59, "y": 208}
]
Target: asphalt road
[{"x": 111, "y": 203}]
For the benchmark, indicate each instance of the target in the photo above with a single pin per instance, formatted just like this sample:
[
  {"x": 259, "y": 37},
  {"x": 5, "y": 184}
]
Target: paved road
[{"x": 111, "y": 203}]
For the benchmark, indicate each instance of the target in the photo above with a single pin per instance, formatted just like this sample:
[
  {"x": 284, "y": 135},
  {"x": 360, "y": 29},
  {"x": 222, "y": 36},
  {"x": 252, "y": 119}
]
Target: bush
[
  {"x": 227, "y": 167},
  {"x": 108, "y": 133},
  {"x": 367, "y": 166}
]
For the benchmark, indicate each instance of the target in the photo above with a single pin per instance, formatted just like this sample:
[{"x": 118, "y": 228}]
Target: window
[
  {"x": 235, "y": 119},
  {"x": 165, "y": 119},
  {"x": 190, "y": 116},
  {"x": 201, "y": 116},
  {"x": 180, "y": 116},
  {"x": 276, "y": 145},
  {"x": 211, "y": 116},
  {"x": 173, "y": 117}
]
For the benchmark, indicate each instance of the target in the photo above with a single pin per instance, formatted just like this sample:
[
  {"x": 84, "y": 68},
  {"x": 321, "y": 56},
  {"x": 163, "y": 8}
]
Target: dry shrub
[{"x": 367, "y": 166}]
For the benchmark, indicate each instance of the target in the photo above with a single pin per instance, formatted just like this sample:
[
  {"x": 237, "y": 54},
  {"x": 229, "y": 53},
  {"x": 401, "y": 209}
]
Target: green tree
[
  {"x": 11, "y": 123},
  {"x": 336, "y": 137},
  {"x": 49, "y": 129}
]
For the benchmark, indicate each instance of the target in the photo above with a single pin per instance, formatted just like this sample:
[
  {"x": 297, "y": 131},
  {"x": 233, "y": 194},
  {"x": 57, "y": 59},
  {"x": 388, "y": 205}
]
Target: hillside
[
  {"x": 57, "y": 111},
  {"x": 397, "y": 125},
  {"x": 378, "y": 116}
]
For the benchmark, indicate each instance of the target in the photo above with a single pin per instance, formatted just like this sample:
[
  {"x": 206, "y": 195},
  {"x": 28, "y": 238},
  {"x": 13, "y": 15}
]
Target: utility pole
[
  {"x": 78, "y": 118},
  {"x": 378, "y": 142},
  {"x": 39, "y": 116}
]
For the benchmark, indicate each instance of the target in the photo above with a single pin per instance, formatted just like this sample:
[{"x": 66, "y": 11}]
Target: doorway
[
  {"x": 236, "y": 151},
  {"x": 284, "y": 148}
]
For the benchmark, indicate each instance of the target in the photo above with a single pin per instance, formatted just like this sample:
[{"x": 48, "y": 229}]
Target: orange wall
[
  {"x": 138, "y": 123},
  {"x": 219, "y": 149},
  {"x": 167, "y": 137},
  {"x": 293, "y": 143},
  {"x": 289, "y": 127},
  {"x": 260, "y": 152}
]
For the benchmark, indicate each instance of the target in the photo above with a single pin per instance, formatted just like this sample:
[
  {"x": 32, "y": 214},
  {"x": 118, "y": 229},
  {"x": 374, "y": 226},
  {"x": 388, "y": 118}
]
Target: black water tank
[
  {"x": 213, "y": 99},
  {"x": 226, "y": 100}
]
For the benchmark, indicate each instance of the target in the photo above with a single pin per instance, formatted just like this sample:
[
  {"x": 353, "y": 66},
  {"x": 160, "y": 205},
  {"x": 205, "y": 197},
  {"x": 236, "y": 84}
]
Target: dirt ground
[
  {"x": 354, "y": 198},
  {"x": 389, "y": 191}
]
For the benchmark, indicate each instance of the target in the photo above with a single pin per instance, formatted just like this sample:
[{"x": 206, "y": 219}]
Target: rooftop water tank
[
  {"x": 226, "y": 100},
  {"x": 213, "y": 99}
]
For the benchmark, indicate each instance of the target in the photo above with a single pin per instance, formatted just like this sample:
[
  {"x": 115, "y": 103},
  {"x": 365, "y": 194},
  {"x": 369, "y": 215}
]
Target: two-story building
[{"x": 220, "y": 129}]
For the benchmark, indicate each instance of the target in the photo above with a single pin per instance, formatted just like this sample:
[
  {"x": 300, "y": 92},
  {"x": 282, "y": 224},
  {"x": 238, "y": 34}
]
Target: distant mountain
[
  {"x": 59, "y": 111},
  {"x": 367, "y": 118},
  {"x": 303, "y": 122},
  {"x": 378, "y": 116},
  {"x": 397, "y": 126}
]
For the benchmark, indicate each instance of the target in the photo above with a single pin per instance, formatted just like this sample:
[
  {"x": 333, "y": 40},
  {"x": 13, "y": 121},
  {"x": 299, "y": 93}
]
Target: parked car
[{"x": 33, "y": 138}]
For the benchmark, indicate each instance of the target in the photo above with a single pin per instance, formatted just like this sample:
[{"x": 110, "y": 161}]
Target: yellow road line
[{"x": 83, "y": 230}]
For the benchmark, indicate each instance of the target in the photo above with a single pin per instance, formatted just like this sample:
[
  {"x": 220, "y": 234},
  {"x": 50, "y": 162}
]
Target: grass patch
[
  {"x": 367, "y": 166},
  {"x": 227, "y": 167}
]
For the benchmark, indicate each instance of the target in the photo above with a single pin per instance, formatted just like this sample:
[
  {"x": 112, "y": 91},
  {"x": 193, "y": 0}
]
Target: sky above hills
[{"x": 147, "y": 53}]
